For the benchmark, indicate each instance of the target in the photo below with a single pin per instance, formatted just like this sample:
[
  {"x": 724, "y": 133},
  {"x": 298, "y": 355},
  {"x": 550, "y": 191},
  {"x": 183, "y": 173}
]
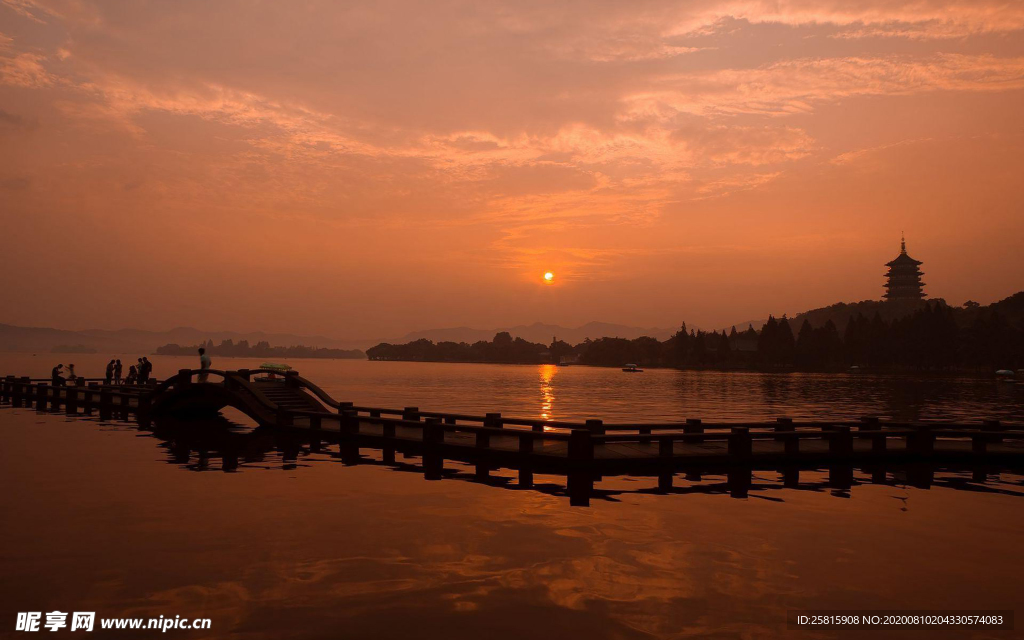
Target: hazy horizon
[{"x": 375, "y": 169}]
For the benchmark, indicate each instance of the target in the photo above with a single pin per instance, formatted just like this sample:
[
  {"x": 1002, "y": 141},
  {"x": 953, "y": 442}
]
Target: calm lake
[
  {"x": 291, "y": 543},
  {"x": 578, "y": 393}
]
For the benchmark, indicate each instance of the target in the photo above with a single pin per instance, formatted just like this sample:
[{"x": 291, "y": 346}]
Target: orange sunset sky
[{"x": 365, "y": 169}]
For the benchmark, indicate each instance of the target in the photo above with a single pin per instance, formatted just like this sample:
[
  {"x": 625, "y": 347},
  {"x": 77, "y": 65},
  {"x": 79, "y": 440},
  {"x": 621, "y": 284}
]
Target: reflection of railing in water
[
  {"x": 216, "y": 440},
  {"x": 580, "y": 452}
]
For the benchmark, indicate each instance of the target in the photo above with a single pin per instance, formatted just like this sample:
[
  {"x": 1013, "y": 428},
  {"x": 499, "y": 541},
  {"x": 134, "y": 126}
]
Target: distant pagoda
[{"x": 903, "y": 281}]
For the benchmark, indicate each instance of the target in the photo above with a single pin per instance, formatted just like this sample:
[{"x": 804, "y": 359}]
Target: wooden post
[
  {"x": 879, "y": 443},
  {"x": 878, "y": 474},
  {"x": 525, "y": 462},
  {"x": 142, "y": 413},
  {"x": 922, "y": 441},
  {"x": 89, "y": 403},
  {"x": 433, "y": 455},
  {"x": 693, "y": 425},
  {"x": 42, "y": 396},
  {"x": 55, "y": 399},
  {"x": 666, "y": 449},
  {"x": 994, "y": 425},
  {"x": 538, "y": 427},
  {"x": 739, "y": 481},
  {"x": 449, "y": 420},
  {"x": 245, "y": 374},
  {"x": 740, "y": 443},
  {"x": 106, "y": 403},
  {"x": 920, "y": 475},
  {"x": 792, "y": 444},
  {"x": 388, "y": 432},
  {"x": 979, "y": 444},
  {"x": 349, "y": 436},
  {"x": 17, "y": 393},
  {"x": 840, "y": 443},
  {"x": 644, "y": 431},
  {"x": 6, "y": 388},
  {"x": 483, "y": 444},
  {"x": 596, "y": 427},
  {"x": 411, "y": 413},
  {"x": 840, "y": 476},
  {"x": 791, "y": 476},
  {"x": 870, "y": 423},
  {"x": 348, "y": 421},
  {"x": 315, "y": 423},
  {"x": 581, "y": 446},
  {"x": 184, "y": 377},
  {"x": 284, "y": 418},
  {"x": 14, "y": 389},
  {"x": 783, "y": 425},
  {"x": 71, "y": 405},
  {"x": 581, "y": 461},
  {"x": 493, "y": 420}
]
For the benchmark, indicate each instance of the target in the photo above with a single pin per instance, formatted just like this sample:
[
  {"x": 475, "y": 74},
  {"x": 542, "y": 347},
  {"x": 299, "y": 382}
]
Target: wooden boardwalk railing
[{"x": 581, "y": 451}]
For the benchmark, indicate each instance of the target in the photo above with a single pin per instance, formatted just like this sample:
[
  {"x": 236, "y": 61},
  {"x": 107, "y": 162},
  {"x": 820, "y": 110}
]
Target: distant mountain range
[
  {"x": 137, "y": 341},
  {"x": 129, "y": 341},
  {"x": 538, "y": 332}
]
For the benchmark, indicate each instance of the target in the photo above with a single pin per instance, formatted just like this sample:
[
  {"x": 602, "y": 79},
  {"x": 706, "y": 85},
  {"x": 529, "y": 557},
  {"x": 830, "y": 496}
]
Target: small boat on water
[
  {"x": 274, "y": 366},
  {"x": 632, "y": 368},
  {"x": 273, "y": 369},
  {"x": 1005, "y": 374}
]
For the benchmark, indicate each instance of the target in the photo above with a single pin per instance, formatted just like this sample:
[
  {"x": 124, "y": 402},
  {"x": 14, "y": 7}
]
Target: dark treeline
[
  {"x": 262, "y": 349},
  {"x": 935, "y": 337}
]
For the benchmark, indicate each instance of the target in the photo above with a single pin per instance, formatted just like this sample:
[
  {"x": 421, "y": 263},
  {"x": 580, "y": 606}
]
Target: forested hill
[
  {"x": 262, "y": 349},
  {"x": 1010, "y": 309},
  {"x": 925, "y": 335}
]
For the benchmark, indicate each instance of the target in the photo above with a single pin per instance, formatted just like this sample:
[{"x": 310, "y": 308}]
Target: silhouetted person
[
  {"x": 109, "y": 374},
  {"x": 133, "y": 375},
  {"x": 117, "y": 372},
  {"x": 145, "y": 370},
  {"x": 56, "y": 377},
  {"x": 204, "y": 364}
]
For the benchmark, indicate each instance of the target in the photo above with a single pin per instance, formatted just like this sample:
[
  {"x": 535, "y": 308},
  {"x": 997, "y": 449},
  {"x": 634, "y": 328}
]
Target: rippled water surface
[
  {"x": 276, "y": 539},
  {"x": 575, "y": 393}
]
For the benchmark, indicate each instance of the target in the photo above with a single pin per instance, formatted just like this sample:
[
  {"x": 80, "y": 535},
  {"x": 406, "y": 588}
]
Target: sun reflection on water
[{"x": 547, "y": 395}]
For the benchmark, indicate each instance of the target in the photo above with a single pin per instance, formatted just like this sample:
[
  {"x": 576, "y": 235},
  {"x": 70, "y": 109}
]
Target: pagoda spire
[{"x": 903, "y": 281}]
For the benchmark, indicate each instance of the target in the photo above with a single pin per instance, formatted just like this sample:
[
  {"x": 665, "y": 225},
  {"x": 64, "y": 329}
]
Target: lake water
[
  {"x": 578, "y": 393},
  {"x": 288, "y": 542}
]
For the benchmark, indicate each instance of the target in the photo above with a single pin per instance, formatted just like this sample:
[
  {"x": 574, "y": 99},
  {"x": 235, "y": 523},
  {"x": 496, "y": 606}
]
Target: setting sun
[{"x": 548, "y": 277}]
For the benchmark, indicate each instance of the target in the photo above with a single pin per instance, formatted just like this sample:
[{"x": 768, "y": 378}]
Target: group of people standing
[{"x": 137, "y": 373}]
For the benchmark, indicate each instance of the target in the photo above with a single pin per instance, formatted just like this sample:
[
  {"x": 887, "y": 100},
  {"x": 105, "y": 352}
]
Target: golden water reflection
[
  {"x": 298, "y": 544},
  {"x": 547, "y": 391}
]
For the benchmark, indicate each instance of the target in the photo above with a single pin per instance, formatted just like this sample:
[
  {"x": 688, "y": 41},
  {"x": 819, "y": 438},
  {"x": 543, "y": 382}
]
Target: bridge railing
[
  {"x": 691, "y": 430},
  {"x": 598, "y": 427},
  {"x": 228, "y": 379}
]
